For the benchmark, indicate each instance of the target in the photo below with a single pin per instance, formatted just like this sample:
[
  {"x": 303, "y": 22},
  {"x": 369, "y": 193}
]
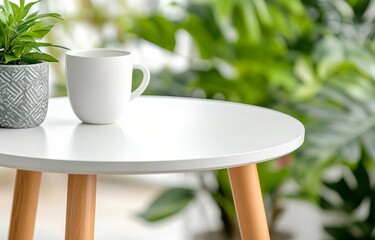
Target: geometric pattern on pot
[{"x": 23, "y": 95}]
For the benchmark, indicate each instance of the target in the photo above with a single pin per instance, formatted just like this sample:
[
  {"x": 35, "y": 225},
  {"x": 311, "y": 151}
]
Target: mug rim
[{"x": 94, "y": 53}]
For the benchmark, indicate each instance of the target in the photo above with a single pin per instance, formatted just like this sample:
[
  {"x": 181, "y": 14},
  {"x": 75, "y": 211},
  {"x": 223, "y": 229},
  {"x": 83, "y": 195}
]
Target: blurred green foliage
[
  {"x": 312, "y": 59},
  {"x": 241, "y": 49},
  {"x": 355, "y": 193}
]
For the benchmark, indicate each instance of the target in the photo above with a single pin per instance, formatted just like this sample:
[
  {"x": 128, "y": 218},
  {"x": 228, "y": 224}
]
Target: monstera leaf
[{"x": 341, "y": 125}]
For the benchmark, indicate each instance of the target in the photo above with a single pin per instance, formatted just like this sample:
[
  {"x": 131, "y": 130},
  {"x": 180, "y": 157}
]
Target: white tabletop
[{"x": 157, "y": 134}]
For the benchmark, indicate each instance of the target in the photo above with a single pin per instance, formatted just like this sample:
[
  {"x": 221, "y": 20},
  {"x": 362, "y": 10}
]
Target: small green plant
[{"x": 20, "y": 32}]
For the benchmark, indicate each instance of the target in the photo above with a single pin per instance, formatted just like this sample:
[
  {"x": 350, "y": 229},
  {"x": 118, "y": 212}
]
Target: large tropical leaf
[
  {"x": 340, "y": 125},
  {"x": 157, "y": 30},
  {"x": 168, "y": 203}
]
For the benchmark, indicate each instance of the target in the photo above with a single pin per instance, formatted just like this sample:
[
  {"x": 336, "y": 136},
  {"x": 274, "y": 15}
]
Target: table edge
[{"x": 150, "y": 167}]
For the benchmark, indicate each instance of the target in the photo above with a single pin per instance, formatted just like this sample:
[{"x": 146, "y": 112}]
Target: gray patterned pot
[{"x": 23, "y": 95}]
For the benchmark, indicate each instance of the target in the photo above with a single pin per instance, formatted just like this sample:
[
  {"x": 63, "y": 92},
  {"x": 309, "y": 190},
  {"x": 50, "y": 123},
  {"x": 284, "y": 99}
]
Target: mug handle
[{"x": 145, "y": 81}]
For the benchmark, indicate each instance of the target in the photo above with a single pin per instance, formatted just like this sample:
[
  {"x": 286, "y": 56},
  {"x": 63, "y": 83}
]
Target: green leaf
[
  {"x": 3, "y": 18},
  {"x": 223, "y": 9},
  {"x": 224, "y": 183},
  {"x": 41, "y": 28},
  {"x": 23, "y": 38},
  {"x": 304, "y": 70},
  {"x": 10, "y": 58},
  {"x": 330, "y": 64},
  {"x": 32, "y": 44},
  {"x": 15, "y": 9},
  {"x": 263, "y": 13},
  {"x": 226, "y": 205},
  {"x": 339, "y": 233},
  {"x": 270, "y": 176},
  {"x": 27, "y": 36},
  {"x": 343, "y": 189},
  {"x": 8, "y": 8},
  {"x": 295, "y": 8},
  {"x": 352, "y": 151},
  {"x": 31, "y": 21},
  {"x": 32, "y": 15},
  {"x": 27, "y": 8},
  {"x": 359, "y": 7},
  {"x": 371, "y": 213},
  {"x": 251, "y": 23},
  {"x": 202, "y": 38},
  {"x": 213, "y": 82},
  {"x": 360, "y": 57},
  {"x": 363, "y": 183},
  {"x": 168, "y": 203},
  {"x": 157, "y": 30},
  {"x": 39, "y": 57},
  {"x": 325, "y": 204},
  {"x": 10, "y": 20},
  {"x": 282, "y": 22},
  {"x": 365, "y": 228}
]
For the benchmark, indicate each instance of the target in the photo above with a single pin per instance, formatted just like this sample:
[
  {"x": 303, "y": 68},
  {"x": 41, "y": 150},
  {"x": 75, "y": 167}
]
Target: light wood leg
[
  {"x": 249, "y": 202},
  {"x": 25, "y": 201},
  {"x": 80, "y": 212}
]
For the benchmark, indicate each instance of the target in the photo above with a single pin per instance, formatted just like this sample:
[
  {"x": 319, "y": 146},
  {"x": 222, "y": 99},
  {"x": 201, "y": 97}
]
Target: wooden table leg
[
  {"x": 249, "y": 202},
  {"x": 25, "y": 201},
  {"x": 80, "y": 212}
]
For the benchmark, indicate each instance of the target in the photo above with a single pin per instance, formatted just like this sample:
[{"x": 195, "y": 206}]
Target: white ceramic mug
[{"x": 99, "y": 83}]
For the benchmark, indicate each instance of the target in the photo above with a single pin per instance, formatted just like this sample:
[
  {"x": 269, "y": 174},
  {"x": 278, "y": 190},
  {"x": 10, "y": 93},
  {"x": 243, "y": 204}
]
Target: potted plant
[{"x": 23, "y": 66}]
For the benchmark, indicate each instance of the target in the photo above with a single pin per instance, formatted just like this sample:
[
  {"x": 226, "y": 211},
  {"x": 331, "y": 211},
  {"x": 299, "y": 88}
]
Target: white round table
[{"x": 156, "y": 135}]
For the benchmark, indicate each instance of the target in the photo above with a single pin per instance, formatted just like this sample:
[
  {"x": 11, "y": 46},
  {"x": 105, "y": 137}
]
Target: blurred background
[{"x": 313, "y": 59}]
